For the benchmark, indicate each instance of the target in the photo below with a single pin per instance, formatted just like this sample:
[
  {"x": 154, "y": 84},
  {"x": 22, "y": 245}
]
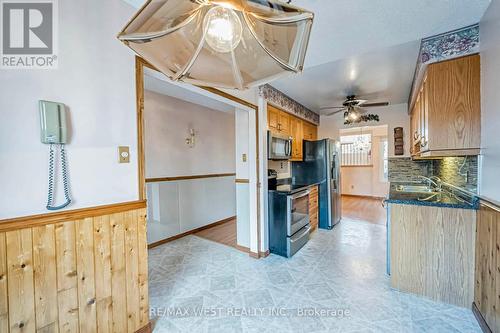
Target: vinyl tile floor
[{"x": 336, "y": 283}]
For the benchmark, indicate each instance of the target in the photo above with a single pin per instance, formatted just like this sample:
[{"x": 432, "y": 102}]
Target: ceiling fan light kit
[
  {"x": 234, "y": 44},
  {"x": 354, "y": 110}
]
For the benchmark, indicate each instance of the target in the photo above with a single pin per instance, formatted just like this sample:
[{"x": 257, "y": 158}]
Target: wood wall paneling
[
  {"x": 142, "y": 245},
  {"x": 21, "y": 293},
  {"x": 67, "y": 284},
  {"x": 102, "y": 259},
  {"x": 4, "y": 307},
  {"x": 84, "y": 275},
  {"x": 118, "y": 274},
  {"x": 44, "y": 264},
  {"x": 132, "y": 270},
  {"x": 31, "y": 221}
]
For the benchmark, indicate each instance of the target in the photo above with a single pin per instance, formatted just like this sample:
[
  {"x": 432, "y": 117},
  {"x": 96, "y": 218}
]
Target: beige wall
[
  {"x": 167, "y": 122},
  {"x": 96, "y": 80},
  {"x": 490, "y": 98},
  {"x": 366, "y": 181}
]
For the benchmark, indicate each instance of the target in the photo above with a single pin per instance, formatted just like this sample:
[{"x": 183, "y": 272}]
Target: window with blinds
[{"x": 356, "y": 150}]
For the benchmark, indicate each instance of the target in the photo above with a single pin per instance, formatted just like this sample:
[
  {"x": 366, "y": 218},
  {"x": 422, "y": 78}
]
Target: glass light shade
[
  {"x": 220, "y": 43},
  {"x": 223, "y": 29}
]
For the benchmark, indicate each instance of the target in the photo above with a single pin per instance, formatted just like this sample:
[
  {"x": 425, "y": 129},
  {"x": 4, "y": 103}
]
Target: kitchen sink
[
  {"x": 436, "y": 197},
  {"x": 414, "y": 189}
]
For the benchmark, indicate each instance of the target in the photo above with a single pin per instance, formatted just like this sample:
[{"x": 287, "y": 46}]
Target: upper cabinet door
[
  {"x": 454, "y": 104},
  {"x": 273, "y": 116},
  {"x": 424, "y": 116},
  {"x": 284, "y": 122},
  {"x": 310, "y": 131},
  {"x": 296, "y": 132}
]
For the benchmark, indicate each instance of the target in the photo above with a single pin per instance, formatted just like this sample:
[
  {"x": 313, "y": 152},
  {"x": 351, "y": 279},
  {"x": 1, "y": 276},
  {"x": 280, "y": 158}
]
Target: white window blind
[{"x": 356, "y": 150}]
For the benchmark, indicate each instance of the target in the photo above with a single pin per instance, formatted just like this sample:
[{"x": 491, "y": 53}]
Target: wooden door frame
[{"x": 140, "y": 64}]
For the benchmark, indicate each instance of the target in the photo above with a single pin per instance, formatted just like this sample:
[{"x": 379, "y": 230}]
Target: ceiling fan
[{"x": 353, "y": 107}]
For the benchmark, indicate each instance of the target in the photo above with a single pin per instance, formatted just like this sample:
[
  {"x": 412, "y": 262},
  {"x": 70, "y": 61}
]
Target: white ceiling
[
  {"x": 384, "y": 75},
  {"x": 344, "y": 28},
  {"x": 159, "y": 83},
  {"x": 369, "y": 47}
]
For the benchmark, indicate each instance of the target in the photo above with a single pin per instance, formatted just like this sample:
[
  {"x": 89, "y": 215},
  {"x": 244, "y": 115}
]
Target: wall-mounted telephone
[{"x": 53, "y": 131}]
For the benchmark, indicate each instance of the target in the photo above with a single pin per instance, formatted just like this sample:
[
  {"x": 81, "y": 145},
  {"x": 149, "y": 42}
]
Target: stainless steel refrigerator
[{"x": 321, "y": 165}]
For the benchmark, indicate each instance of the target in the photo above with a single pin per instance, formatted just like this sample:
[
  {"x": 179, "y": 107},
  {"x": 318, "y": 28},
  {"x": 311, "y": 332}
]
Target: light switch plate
[
  {"x": 123, "y": 154},
  {"x": 244, "y": 157}
]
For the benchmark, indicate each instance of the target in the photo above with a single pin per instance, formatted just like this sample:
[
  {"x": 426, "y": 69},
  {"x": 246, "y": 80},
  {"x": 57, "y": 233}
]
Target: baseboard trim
[
  {"x": 242, "y": 248},
  {"x": 363, "y": 196},
  {"x": 145, "y": 329},
  {"x": 480, "y": 319},
  {"x": 68, "y": 215},
  {"x": 190, "y": 232},
  {"x": 259, "y": 255}
]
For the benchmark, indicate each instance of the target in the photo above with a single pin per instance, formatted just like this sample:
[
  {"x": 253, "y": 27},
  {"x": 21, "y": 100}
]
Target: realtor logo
[{"x": 29, "y": 34}]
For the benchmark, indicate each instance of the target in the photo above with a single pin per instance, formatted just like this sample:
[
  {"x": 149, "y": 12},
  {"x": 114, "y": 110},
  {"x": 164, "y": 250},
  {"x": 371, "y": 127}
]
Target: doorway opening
[
  {"x": 364, "y": 181},
  {"x": 193, "y": 159}
]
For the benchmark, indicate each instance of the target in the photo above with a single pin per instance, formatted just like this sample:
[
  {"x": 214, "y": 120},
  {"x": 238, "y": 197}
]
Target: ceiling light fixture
[
  {"x": 221, "y": 43},
  {"x": 223, "y": 29},
  {"x": 351, "y": 115}
]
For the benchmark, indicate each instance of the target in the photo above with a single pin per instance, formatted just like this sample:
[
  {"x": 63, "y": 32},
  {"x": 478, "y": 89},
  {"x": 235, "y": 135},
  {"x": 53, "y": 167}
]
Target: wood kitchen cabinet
[
  {"x": 278, "y": 120},
  {"x": 432, "y": 251},
  {"x": 415, "y": 127},
  {"x": 487, "y": 268},
  {"x": 446, "y": 115},
  {"x": 285, "y": 123},
  {"x": 310, "y": 131},
  {"x": 313, "y": 207},
  {"x": 273, "y": 118},
  {"x": 297, "y": 135}
]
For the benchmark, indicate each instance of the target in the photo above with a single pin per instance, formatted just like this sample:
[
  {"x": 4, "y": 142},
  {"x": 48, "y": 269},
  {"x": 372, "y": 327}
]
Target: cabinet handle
[
  {"x": 279, "y": 127},
  {"x": 423, "y": 142}
]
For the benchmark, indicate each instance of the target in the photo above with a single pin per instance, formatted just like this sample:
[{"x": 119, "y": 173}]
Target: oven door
[
  {"x": 298, "y": 212},
  {"x": 279, "y": 147}
]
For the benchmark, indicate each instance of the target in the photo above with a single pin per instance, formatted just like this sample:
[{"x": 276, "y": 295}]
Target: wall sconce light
[{"x": 190, "y": 141}]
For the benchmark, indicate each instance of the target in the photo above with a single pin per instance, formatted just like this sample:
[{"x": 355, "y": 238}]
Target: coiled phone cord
[{"x": 50, "y": 196}]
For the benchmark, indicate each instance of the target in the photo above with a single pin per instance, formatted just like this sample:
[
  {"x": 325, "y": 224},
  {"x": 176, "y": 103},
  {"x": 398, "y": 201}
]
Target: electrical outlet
[{"x": 123, "y": 154}]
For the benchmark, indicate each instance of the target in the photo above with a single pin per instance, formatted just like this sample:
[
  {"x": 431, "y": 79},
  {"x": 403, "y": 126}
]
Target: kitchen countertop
[{"x": 448, "y": 199}]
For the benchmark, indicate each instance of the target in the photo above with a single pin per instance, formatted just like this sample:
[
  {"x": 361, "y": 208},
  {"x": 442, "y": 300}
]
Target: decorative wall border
[
  {"x": 279, "y": 99},
  {"x": 453, "y": 44}
]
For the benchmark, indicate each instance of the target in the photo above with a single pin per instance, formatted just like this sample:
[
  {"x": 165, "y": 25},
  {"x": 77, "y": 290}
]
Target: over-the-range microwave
[{"x": 279, "y": 146}]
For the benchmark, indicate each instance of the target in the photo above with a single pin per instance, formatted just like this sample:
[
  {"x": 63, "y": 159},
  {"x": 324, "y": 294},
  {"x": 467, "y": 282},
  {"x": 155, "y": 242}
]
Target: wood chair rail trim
[
  {"x": 173, "y": 179},
  {"x": 68, "y": 215}
]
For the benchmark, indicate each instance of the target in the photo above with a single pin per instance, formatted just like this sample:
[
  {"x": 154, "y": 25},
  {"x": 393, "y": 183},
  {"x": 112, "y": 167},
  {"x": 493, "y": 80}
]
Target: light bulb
[
  {"x": 223, "y": 29},
  {"x": 353, "y": 115}
]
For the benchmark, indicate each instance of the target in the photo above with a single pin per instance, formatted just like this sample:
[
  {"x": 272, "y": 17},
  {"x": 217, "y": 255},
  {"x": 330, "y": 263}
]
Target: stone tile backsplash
[
  {"x": 404, "y": 169},
  {"x": 459, "y": 171}
]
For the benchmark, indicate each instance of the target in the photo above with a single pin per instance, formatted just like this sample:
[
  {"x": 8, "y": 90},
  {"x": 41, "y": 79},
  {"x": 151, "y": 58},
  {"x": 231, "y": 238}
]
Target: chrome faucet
[{"x": 434, "y": 180}]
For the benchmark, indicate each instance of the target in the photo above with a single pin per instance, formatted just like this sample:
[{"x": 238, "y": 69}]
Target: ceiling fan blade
[
  {"x": 331, "y": 107},
  {"x": 373, "y": 105},
  {"x": 335, "y": 112},
  {"x": 360, "y": 109}
]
